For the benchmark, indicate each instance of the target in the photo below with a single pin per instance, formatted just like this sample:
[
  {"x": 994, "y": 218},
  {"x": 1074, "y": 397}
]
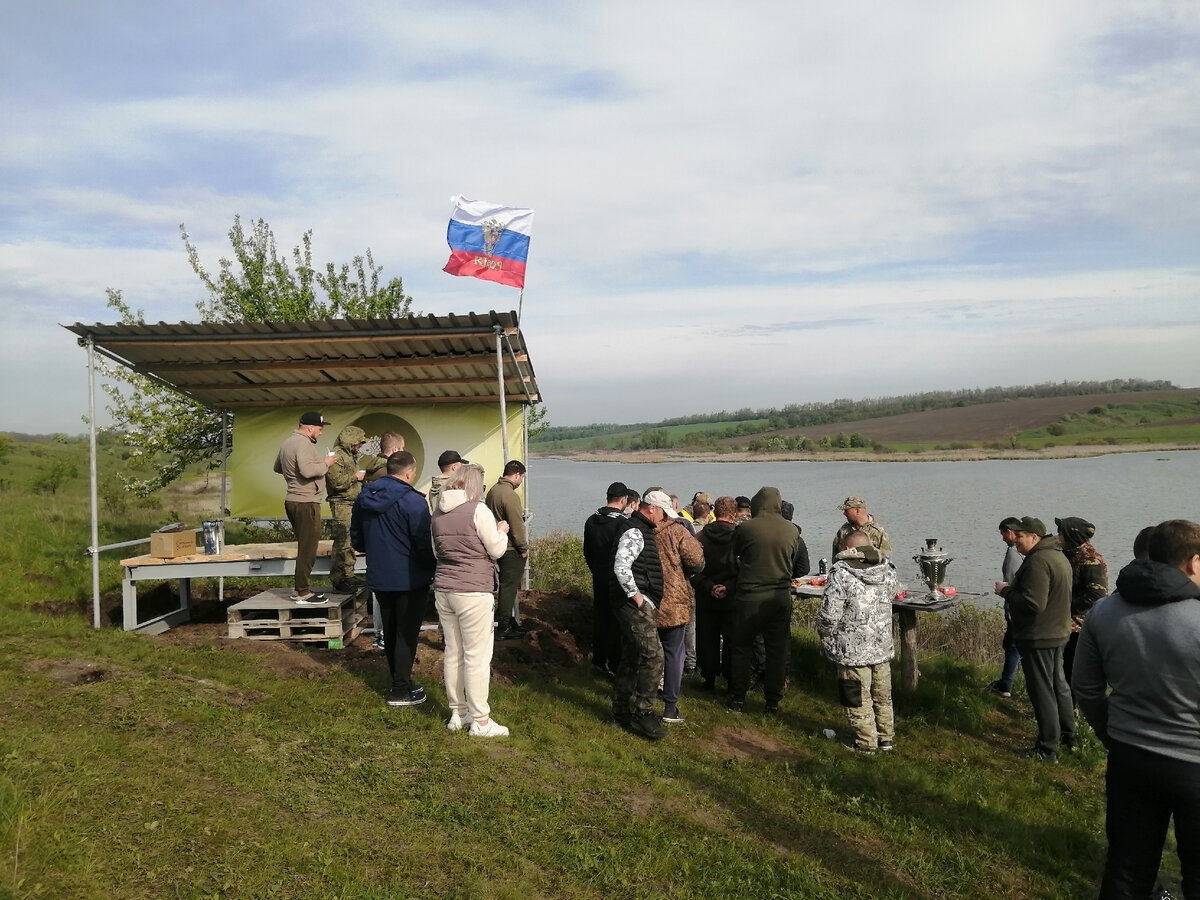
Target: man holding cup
[{"x": 303, "y": 470}]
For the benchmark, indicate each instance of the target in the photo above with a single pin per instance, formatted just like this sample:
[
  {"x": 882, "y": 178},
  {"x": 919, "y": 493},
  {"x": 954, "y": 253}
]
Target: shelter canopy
[{"x": 327, "y": 362}]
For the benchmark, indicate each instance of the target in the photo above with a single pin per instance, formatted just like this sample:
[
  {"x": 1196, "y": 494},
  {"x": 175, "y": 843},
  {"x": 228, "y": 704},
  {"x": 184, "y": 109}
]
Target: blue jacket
[{"x": 391, "y": 524}]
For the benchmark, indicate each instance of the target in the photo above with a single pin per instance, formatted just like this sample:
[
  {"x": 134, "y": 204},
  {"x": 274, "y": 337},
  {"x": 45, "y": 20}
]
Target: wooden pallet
[{"x": 273, "y": 616}]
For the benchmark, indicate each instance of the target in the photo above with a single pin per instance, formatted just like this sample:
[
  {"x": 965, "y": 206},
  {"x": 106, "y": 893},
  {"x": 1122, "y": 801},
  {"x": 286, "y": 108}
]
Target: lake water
[{"x": 960, "y": 503}]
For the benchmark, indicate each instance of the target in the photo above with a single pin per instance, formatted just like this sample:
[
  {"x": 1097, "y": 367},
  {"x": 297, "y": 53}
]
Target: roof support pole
[
  {"x": 94, "y": 549},
  {"x": 503, "y": 409}
]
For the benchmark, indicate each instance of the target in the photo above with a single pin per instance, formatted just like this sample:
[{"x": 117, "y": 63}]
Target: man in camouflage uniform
[
  {"x": 858, "y": 519},
  {"x": 343, "y": 483},
  {"x": 855, "y": 626}
]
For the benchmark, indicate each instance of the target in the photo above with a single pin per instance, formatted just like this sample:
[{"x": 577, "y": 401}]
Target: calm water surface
[{"x": 960, "y": 503}]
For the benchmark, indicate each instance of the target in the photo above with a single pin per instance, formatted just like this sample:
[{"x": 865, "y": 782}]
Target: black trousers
[
  {"x": 402, "y": 613},
  {"x": 512, "y": 567},
  {"x": 772, "y": 618},
  {"x": 606, "y": 636},
  {"x": 1145, "y": 791},
  {"x": 714, "y": 642}
]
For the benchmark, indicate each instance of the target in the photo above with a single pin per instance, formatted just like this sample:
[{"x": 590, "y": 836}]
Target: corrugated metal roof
[{"x": 417, "y": 359}]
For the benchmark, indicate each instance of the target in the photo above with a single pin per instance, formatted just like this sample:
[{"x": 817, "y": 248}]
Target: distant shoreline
[{"x": 861, "y": 455}]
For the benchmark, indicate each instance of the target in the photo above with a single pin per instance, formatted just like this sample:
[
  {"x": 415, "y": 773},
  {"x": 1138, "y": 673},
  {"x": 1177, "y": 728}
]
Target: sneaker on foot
[
  {"x": 647, "y": 725},
  {"x": 415, "y": 697},
  {"x": 885, "y": 746},
  {"x": 673, "y": 717},
  {"x": 377, "y": 644},
  {"x": 858, "y": 748},
  {"x": 999, "y": 690},
  {"x": 311, "y": 597},
  {"x": 455, "y": 723},
  {"x": 1037, "y": 753},
  {"x": 492, "y": 729},
  {"x": 734, "y": 706}
]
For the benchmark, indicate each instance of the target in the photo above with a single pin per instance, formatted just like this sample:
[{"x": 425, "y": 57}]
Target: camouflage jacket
[
  {"x": 872, "y": 529},
  {"x": 340, "y": 484},
  {"x": 855, "y": 619}
]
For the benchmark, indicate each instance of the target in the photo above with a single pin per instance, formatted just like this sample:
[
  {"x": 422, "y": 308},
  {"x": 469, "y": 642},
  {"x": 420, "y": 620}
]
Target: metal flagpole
[
  {"x": 499, "y": 329},
  {"x": 94, "y": 549}
]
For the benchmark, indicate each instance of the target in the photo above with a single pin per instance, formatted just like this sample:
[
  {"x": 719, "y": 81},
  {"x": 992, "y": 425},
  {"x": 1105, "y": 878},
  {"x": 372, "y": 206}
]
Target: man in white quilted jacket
[{"x": 855, "y": 625}]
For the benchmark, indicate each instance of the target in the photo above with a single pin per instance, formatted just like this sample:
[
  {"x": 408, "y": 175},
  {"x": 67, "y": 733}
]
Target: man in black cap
[
  {"x": 304, "y": 471},
  {"x": 1039, "y": 603},
  {"x": 448, "y": 463},
  {"x": 600, "y": 533}
]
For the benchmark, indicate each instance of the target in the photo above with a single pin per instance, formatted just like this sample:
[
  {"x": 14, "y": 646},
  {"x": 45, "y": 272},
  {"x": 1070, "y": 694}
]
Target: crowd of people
[{"x": 707, "y": 588}]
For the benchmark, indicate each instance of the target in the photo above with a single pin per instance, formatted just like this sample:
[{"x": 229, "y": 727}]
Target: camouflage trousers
[
  {"x": 341, "y": 557},
  {"x": 641, "y": 668},
  {"x": 866, "y": 692}
]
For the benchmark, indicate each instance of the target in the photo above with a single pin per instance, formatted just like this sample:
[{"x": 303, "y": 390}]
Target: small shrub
[{"x": 556, "y": 563}]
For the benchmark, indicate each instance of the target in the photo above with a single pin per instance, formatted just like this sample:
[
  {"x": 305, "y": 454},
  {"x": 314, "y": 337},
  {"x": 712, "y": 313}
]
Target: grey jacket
[
  {"x": 855, "y": 620},
  {"x": 1142, "y": 640}
]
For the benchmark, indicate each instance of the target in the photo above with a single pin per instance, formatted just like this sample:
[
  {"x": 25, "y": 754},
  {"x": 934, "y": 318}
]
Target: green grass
[{"x": 190, "y": 766}]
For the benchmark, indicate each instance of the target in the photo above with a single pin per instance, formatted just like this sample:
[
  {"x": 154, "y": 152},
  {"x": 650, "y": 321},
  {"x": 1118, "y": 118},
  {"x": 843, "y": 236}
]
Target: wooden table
[
  {"x": 906, "y": 610},
  {"x": 277, "y": 560}
]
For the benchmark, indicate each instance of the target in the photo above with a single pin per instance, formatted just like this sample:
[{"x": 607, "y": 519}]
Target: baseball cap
[
  {"x": 1031, "y": 525},
  {"x": 313, "y": 418},
  {"x": 449, "y": 458},
  {"x": 662, "y": 501}
]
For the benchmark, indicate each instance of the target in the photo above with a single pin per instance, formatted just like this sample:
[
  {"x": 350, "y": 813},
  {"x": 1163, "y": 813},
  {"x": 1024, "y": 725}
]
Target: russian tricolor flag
[{"x": 488, "y": 241}]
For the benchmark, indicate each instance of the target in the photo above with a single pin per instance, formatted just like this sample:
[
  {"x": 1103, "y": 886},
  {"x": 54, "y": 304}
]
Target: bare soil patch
[
  {"x": 71, "y": 672},
  {"x": 749, "y": 743}
]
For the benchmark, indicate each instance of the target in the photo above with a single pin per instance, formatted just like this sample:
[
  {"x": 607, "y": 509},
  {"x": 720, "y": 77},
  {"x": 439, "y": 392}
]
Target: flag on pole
[{"x": 488, "y": 241}]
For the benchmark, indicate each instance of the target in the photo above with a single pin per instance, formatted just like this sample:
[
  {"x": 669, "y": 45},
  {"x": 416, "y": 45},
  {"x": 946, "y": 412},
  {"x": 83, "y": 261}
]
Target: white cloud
[{"x": 937, "y": 169}]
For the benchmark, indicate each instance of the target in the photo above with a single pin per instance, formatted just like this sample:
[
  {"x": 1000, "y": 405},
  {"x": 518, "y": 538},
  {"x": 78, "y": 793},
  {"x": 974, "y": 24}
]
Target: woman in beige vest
[{"x": 467, "y": 542}]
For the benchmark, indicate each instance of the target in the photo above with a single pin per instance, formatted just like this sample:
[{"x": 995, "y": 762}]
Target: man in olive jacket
[
  {"x": 765, "y": 547},
  {"x": 506, "y": 506},
  {"x": 1038, "y": 602}
]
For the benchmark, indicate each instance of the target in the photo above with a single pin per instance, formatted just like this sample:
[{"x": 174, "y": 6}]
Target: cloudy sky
[{"x": 735, "y": 204}]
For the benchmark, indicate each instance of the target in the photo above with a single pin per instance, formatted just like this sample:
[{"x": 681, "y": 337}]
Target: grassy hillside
[{"x": 187, "y": 765}]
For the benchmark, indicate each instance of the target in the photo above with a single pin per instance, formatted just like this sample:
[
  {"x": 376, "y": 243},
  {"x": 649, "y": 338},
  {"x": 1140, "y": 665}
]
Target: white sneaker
[
  {"x": 490, "y": 730},
  {"x": 455, "y": 723}
]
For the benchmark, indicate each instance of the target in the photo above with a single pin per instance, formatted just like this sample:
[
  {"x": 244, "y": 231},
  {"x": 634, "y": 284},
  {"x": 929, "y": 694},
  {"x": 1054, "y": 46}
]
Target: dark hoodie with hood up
[
  {"x": 765, "y": 547},
  {"x": 1144, "y": 641},
  {"x": 720, "y": 566}
]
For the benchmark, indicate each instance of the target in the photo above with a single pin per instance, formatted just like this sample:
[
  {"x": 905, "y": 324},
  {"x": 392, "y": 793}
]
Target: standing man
[
  {"x": 304, "y": 472},
  {"x": 343, "y": 482},
  {"x": 681, "y": 556},
  {"x": 636, "y": 591},
  {"x": 1089, "y": 577},
  {"x": 1141, "y": 642},
  {"x": 391, "y": 524},
  {"x": 389, "y": 443},
  {"x": 765, "y": 547},
  {"x": 858, "y": 519},
  {"x": 600, "y": 533},
  {"x": 716, "y": 593},
  {"x": 1039, "y": 603},
  {"x": 1008, "y": 571},
  {"x": 506, "y": 506},
  {"x": 855, "y": 625},
  {"x": 448, "y": 463}
]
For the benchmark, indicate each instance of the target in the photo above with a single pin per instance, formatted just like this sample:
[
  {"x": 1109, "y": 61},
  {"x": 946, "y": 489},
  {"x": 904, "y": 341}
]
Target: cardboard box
[{"x": 167, "y": 545}]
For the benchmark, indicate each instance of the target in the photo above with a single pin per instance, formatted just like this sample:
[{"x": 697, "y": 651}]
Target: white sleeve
[{"x": 494, "y": 540}]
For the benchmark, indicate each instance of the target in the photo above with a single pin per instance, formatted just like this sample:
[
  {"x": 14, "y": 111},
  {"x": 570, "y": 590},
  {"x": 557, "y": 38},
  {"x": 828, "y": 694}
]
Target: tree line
[{"x": 803, "y": 415}]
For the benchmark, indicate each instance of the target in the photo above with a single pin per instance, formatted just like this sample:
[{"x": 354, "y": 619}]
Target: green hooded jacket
[
  {"x": 765, "y": 546},
  {"x": 340, "y": 484}
]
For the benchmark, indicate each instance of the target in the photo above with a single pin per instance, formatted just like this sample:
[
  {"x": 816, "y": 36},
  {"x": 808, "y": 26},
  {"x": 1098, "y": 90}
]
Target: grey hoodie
[{"x": 1143, "y": 640}]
